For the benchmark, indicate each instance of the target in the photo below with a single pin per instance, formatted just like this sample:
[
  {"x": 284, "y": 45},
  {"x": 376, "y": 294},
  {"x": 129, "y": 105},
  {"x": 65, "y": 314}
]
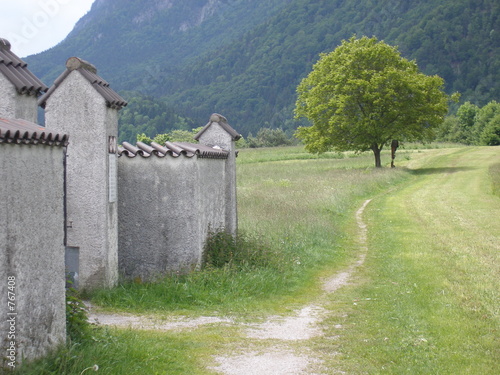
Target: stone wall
[
  {"x": 167, "y": 205},
  {"x": 147, "y": 215},
  {"x": 218, "y": 133},
  {"x": 32, "y": 250},
  {"x": 76, "y": 108},
  {"x": 15, "y": 105}
]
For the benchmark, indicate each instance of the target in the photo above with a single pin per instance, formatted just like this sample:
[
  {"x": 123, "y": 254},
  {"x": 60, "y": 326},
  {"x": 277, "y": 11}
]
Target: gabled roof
[
  {"x": 89, "y": 72},
  {"x": 222, "y": 121},
  {"x": 174, "y": 149},
  {"x": 16, "y": 71},
  {"x": 17, "y": 131}
]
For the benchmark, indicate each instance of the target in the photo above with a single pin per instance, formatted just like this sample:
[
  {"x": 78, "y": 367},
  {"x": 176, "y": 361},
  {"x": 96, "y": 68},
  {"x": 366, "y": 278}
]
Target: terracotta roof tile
[
  {"x": 89, "y": 72},
  {"x": 16, "y": 71},
  {"x": 17, "y": 131},
  {"x": 174, "y": 149}
]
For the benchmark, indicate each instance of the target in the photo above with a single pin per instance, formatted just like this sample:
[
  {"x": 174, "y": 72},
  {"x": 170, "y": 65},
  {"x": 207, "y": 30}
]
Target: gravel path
[{"x": 275, "y": 338}]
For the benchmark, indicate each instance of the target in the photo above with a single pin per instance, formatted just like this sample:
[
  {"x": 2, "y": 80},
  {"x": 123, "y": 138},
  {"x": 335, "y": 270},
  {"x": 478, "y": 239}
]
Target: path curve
[{"x": 275, "y": 335}]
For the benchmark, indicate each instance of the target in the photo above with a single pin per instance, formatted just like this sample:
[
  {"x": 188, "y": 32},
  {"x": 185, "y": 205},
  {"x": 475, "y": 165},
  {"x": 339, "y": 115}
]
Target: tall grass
[
  {"x": 119, "y": 352},
  {"x": 292, "y": 205},
  {"x": 295, "y": 206}
]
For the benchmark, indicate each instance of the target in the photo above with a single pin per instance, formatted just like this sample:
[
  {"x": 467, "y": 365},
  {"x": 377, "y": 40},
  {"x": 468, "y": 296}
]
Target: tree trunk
[{"x": 376, "y": 152}]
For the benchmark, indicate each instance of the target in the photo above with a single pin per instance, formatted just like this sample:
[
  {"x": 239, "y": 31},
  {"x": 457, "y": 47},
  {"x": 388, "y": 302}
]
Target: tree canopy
[
  {"x": 365, "y": 94},
  {"x": 473, "y": 125}
]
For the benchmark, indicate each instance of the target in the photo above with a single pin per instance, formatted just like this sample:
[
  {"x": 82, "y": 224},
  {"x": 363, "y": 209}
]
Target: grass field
[{"x": 426, "y": 300}]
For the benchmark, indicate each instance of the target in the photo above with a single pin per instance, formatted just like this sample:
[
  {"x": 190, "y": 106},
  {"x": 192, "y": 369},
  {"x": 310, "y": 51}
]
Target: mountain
[
  {"x": 244, "y": 58},
  {"x": 130, "y": 41}
]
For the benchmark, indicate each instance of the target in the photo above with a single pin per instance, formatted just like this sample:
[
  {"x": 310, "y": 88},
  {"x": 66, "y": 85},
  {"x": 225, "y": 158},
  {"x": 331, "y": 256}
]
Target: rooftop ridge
[
  {"x": 75, "y": 63},
  {"x": 173, "y": 149},
  {"x": 89, "y": 72},
  {"x": 222, "y": 121},
  {"x": 17, "y": 72},
  {"x": 4, "y": 44}
]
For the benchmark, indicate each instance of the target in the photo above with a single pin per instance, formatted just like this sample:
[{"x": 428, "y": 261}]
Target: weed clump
[
  {"x": 241, "y": 251},
  {"x": 78, "y": 329}
]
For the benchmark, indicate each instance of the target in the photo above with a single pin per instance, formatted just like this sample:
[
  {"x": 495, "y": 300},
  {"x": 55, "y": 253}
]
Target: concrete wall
[
  {"x": 76, "y": 108},
  {"x": 31, "y": 249},
  {"x": 15, "y": 105},
  {"x": 166, "y": 207},
  {"x": 216, "y": 135},
  {"x": 212, "y": 174}
]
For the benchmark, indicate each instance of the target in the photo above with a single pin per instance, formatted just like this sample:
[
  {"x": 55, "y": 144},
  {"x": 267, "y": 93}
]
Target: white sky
[{"x": 33, "y": 26}]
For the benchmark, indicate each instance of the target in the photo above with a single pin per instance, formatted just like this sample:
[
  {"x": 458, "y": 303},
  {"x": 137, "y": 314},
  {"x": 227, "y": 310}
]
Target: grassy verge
[
  {"x": 118, "y": 352},
  {"x": 293, "y": 207},
  {"x": 421, "y": 278},
  {"x": 495, "y": 178},
  {"x": 427, "y": 301},
  {"x": 292, "y": 202}
]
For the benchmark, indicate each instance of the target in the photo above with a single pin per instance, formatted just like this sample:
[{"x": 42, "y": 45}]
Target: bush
[
  {"x": 491, "y": 133},
  {"x": 473, "y": 125},
  {"x": 223, "y": 249},
  {"x": 267, "y": 137}
]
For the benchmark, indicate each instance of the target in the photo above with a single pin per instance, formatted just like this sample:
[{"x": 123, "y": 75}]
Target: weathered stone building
[
  {"x": 89, "y": 208},
  {"x": 142, "y": 211},
  {"x": 171, "y": 196},
  {"x": 80, "y": 103},
  {"x": 32, "y": 301}
]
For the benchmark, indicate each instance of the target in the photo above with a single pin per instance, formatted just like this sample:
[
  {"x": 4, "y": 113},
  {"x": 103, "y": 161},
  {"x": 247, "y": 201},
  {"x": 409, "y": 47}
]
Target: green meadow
[{"x": 426, "y": 300}]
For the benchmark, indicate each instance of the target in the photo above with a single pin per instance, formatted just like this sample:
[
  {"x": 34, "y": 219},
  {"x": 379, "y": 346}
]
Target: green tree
[
  {"x": 485, "y": 118},
  {"x": 364, "y": 94},
  {"x": 490, "y": 136},
  {"x": 267, "y": 137},
  {"x": 143, "y": 138},
  {"x": 466, "y": 123},
  {"x": 161, "y": 138}
]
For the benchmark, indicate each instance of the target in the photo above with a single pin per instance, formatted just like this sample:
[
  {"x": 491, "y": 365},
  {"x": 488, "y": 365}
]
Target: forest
[{"x": 178, "y": 65}]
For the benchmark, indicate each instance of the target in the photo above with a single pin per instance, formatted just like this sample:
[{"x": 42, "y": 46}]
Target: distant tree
[
  {"x": 363, "y": 95},
  {"x": 465, "y": 133},
  {"x": 148, "y": 116},
  {"x": 486, "y": 125},
  {"x": 445, "y": 131},
  {"x": 143, "y": 138},
  {"x": 184, "y": 135},
  {"x": 490, "y": 136},
  {"x": 162, "y": 138},
  {"x": 173, "y": 136},
  {"x": 267, "y": 137}
]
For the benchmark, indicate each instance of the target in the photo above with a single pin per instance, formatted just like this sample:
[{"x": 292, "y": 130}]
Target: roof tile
[
  {"x": 89, "y": 72},
  {"x": 17, "y": 131},
  {"x": 16, "y": 71},
  {"x": 174, "y": 149}
]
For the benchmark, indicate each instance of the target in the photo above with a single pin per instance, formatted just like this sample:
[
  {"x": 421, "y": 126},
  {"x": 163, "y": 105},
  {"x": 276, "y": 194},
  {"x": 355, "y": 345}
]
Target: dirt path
[{"x": 276, "y": 347}]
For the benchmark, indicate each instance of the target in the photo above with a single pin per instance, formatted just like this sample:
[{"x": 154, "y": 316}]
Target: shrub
[
  {"x": 143, "y": 138},
  {"x": 78, "y": 328},
  {"x": 267, "y": 137},
  {"x": 491, "y": 133},
  {"x": 222, "y": 249}
]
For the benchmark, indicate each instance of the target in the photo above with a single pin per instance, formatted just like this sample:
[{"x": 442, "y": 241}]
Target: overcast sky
[{"x": 33, "y": 26}]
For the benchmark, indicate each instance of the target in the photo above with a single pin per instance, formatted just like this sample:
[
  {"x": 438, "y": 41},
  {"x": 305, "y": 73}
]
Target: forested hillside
[{"x": 244, "y": 59}]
